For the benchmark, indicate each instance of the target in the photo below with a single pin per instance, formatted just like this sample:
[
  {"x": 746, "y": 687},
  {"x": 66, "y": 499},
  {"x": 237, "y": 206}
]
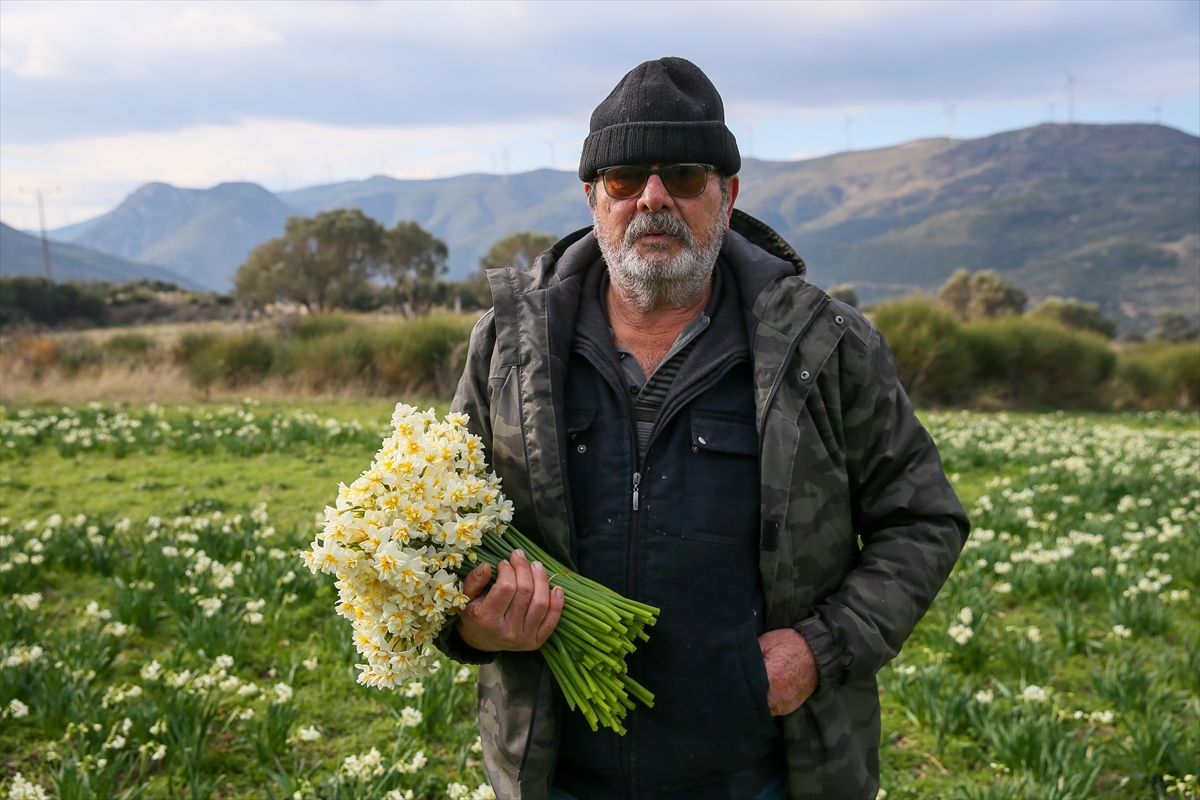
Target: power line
[{"x": 40, "y": 194}]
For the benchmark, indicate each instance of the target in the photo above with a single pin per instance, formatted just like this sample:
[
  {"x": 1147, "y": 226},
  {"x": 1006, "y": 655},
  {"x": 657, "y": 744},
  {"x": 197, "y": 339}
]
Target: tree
[
  {"x": 845, "y": 293},
  {"x": 321, "y": 261},
  {"x": 518, "y": 250},
  {"x": 984, "y": 294},
  {"x": 1175, "y": 327},
  {"x": 1072, "y": 313},
  {"x": 414, "y": 262}
]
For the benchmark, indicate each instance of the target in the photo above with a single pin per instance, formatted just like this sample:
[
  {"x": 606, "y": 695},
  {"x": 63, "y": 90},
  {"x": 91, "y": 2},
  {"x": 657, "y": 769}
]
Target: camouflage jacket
[{"x": 859, "y": 525}]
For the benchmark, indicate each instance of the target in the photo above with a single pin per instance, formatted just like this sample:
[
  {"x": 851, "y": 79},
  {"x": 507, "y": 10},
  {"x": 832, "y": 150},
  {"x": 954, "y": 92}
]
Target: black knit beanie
[{"x": 663, "y": 111}]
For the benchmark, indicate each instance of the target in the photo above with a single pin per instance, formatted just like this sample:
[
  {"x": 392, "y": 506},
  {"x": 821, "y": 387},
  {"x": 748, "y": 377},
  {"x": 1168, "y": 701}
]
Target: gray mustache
[{"x": 658, "y": 221}]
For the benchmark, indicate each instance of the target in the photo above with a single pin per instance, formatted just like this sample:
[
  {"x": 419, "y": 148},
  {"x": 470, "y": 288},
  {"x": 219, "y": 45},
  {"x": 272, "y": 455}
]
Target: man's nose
[{"x": 655, "y": 196}]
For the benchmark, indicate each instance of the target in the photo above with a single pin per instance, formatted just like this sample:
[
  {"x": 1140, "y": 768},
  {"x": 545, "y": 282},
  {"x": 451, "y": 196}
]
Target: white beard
[{"x": 650, "y": 283}]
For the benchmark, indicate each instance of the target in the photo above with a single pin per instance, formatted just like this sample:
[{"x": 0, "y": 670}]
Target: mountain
[
  {"x": 468, "y": 212},
  {"x": 203, "y": 234},
  {"x": 1105, "y": 213},
  {"x": 21, "y": 254}
]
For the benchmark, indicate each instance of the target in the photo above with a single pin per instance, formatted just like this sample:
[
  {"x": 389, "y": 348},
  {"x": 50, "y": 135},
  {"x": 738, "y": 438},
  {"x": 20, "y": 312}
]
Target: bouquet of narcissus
[{"x": 401, "y": 538}]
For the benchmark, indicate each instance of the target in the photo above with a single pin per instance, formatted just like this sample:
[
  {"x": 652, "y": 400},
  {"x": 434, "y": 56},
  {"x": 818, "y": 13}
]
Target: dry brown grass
[{"x": 161, "y": 383}]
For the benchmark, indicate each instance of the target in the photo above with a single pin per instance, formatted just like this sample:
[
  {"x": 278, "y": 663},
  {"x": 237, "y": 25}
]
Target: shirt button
[
  {"x": 838, "y": 319},
  {"x": 582, "y": 448},
  {"x": 805, "y": 375},
  {"x": 695, "y": 449},
  {"x": 633, "y": 389}
]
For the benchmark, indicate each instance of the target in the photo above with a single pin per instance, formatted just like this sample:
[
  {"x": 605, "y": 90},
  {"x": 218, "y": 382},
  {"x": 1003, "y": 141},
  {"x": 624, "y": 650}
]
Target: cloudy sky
[{"x": 98, "y": 98}]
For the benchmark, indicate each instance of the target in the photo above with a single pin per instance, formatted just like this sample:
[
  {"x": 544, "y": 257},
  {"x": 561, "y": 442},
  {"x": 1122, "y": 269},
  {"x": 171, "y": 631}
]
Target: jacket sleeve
[
  {"x": 905, "y": 512},
  {"x": 472, "y": 397}
]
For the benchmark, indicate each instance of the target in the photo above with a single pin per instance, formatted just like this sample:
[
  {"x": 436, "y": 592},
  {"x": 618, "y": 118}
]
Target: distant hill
[
  {"x": 203, "y": 234},
  {"x": 1106, "y": 213},
  {"x": 21, "y": 254}
]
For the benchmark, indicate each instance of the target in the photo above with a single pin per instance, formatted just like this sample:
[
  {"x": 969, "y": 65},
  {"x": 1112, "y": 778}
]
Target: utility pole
[{"x": 40, "y": 194}]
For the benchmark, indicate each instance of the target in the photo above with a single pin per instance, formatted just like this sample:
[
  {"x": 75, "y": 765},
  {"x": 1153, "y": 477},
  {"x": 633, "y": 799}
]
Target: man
[{"x": 677, "y": 413}]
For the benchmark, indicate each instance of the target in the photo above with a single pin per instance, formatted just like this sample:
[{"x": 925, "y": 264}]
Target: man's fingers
[
  {"x": 553, "y": 613},
  {"x": 539, "y": 602},
  {"x": 524, "y": 591},
  {"x": 477, "y": 580},
  {"x": 499, "y": 597}
]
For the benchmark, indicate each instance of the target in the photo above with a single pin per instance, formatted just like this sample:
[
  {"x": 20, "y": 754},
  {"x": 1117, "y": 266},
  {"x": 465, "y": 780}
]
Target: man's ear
[{"x": 734, "y": 184}]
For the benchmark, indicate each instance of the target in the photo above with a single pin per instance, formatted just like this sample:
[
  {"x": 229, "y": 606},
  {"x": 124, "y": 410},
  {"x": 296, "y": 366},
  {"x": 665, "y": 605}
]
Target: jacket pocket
[
  {"x": 753, "y": 664},
  {"x": 579, "y": 441},
  {"x": 723, "y": 485}
]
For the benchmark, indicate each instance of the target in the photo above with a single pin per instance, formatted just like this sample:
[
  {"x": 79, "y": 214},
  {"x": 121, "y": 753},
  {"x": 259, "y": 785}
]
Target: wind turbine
[
  {"x": 948, "y": 109},
  {"x": 1070, "y": 96}
]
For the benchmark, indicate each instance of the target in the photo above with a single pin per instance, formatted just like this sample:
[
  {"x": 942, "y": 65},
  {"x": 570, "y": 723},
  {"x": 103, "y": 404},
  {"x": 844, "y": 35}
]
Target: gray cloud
[{"x": 73, "y": 71}]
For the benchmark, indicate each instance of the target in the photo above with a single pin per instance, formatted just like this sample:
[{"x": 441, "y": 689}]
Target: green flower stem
[{"x": 597, "y": 630}]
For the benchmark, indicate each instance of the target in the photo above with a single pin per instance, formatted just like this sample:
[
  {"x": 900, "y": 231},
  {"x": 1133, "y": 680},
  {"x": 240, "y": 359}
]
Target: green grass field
[{"x": 1060, "y": 661}]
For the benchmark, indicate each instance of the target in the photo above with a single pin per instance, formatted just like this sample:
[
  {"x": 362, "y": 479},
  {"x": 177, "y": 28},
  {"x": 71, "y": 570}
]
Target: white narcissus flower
[
  {"x": 984, "y": 696},
  {"x": 410, "y": 717},
  {"x": 1034, "y": 694},
  {"x": 960, "y": 633},
  {"x": 309, "y": 734},
  {"x": 16, "y": 709},
  {"x": 21, "y": 789},
  {"x": 283, "y": 692}
]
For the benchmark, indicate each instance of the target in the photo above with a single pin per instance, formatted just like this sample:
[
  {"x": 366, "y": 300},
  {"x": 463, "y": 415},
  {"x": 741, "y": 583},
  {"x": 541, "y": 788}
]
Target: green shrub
[
  {"x": 191, "y": 345},
  {"x": 1037, "y": 364},
  {"x": 932, "y": 358},
  {"x": 321, "y": 325},
  {"x": 426, "y": 352},
  {"x": 1160, "y": 374},
  {"x": 77, "y": 354},
  {"x": 245, "y": 358},
  {"x": 131, "y": 348}
]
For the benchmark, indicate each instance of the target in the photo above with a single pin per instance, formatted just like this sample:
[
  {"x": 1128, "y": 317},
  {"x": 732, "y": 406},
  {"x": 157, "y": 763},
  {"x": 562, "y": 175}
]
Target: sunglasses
[{"x": 681, "y": 180}]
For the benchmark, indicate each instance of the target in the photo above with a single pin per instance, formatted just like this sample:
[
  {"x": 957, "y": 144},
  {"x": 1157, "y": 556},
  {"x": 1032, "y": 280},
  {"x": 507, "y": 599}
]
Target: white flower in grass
[
  {"x": 1034, "y": 694},
  {"x": 1003, "y": 567},
  {"x": 1099, "y": 572},
  {"x": 223, "y": 662},
  {"x": 397, "y": 794},
  {"x": 1101, "y": 717},
  {"x": 414, "y": 689},
  {"x": 16, "y": 709},
  {"x": 309, "y": 734},
  {"x": 477, "y": 745},
  {"x": 960, "y": 633},
  {"x": 21, "y": 789},
  {"x": 1002, "y": 588},
  {"x": 283, "y": 692},
  {"x": 1033, "y": 633},
  {"x": 1121, "y": 632},
  {"x": 966, "y": 616},
  {"x": 984, "y": 696},
  {"x": 410, "y": 717},
  {"x": 151, "y": 671},
  {"x": 463, "y": 675},
  {"x": 210, "y": 605},
  {"x": 246, "y": 714},
  {"x": 247, "y": 690},
  {"x": 457, "y": 791},
  {"x": 310, "y": 663},
  {"x": 29, "y": 602},
  {"x": 116, "y": 743},
  {"x": 484, "y": 792}
]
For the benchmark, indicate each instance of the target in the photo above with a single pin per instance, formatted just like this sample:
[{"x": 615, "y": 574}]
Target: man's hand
[
  {"x": 517, "y": 613},
  {"x": 791, "y": 670}
]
